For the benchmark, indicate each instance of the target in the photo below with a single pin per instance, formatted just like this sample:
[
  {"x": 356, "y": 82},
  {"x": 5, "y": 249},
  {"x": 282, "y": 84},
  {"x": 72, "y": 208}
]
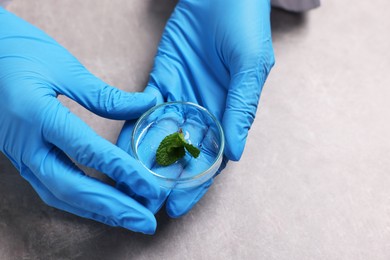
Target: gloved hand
[
  {"x": 37, "y": 133},
  {"x": 217, "y": 54}
]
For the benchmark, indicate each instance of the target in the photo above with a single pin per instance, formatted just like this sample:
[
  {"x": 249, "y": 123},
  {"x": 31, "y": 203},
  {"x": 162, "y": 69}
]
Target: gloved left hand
[
  {"x": 216, "y": 54},
  {"x": 37, "y": 133}
]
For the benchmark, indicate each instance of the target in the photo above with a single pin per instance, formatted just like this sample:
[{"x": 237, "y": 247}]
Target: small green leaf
[
  {"x": 192, "y": 150},
  {"x": 165, "y": 158},
  {"x": 172, "y": 149}
]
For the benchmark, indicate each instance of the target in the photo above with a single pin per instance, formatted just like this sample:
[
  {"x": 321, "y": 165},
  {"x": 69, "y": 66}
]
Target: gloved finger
[
  {"x": 154, "y": 205},
  {"x": 64, "y": 186},
  {"x": 72, "y": 79},
  {"x": 80, "y": 142},
  {"x": 105, "y": 100},
  {"x": 241, "y": 105},
  {"x": 154, "y": 90},
  {"x": 180, "y": 201}
]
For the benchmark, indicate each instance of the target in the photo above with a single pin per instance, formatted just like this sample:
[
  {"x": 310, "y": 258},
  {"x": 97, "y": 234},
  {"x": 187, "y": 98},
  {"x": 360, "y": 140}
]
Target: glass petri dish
[{"x": 200, "y": 128}]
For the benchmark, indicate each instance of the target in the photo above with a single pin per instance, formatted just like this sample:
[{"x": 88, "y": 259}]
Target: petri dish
[{"x": 200, "y": 128}]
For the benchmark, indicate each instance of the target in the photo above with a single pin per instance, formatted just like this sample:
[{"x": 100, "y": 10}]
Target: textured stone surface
[{"x": 314, "y": 180}]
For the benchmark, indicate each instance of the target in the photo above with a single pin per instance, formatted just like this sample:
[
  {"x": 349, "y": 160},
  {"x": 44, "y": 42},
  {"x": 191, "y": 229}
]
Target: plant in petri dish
[{"x": 173, "y": 147}]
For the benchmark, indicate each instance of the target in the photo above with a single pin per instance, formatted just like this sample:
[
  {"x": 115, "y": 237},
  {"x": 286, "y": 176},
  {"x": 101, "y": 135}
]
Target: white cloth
[{"x": 296, "y": 5}]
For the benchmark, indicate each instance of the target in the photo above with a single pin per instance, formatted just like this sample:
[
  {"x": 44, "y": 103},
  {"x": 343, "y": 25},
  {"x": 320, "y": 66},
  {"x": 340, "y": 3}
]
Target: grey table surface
[{"x": 314, "y": 180}]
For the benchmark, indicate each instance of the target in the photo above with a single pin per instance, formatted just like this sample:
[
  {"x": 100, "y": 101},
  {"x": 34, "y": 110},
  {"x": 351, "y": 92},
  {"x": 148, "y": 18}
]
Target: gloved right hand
[
  {"x": 217, "y": 54},
  {"x": 37, "y": 133}
]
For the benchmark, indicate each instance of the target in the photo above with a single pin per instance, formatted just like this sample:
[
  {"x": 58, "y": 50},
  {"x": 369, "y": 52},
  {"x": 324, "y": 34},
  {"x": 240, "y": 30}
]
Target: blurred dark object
[{"x": 296, "y": 5}]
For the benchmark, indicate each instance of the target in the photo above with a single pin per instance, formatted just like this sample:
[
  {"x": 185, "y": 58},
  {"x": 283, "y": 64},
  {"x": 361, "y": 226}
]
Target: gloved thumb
[{"x": 241, "y": 105}]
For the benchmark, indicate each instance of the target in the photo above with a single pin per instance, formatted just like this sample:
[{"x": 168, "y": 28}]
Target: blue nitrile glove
[
  {"x": 217, "y": 54},
  {"x": 37, "y": 133}
]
